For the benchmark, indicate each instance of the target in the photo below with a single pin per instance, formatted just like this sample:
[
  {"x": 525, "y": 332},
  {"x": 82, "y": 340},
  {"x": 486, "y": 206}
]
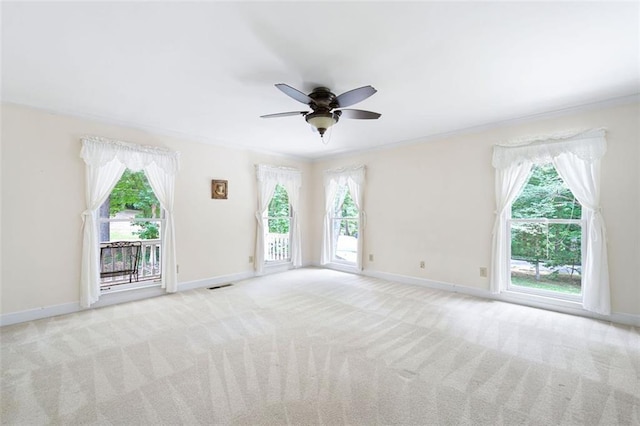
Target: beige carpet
[{"x": 320, "y": 347}]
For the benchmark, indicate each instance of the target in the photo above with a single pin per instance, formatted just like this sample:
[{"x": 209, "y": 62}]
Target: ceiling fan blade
[
  {"x": 358, "y": 114},
  {"x": 294, "y": 93},
  {"x": 284, "y": 114},
  {"x": 354, "y": 96}
]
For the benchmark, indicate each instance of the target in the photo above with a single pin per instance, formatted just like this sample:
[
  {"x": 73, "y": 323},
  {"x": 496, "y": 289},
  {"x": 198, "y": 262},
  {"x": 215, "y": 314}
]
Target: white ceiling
[{"x": 206, "y": 70}]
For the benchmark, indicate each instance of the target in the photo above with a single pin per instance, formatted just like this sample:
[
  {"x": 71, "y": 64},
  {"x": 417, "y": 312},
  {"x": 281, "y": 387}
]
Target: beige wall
[
  {"x": 434, "y": 201},
  {"x": 430, "y": 201},
  {"x": 43, "y": 196}
]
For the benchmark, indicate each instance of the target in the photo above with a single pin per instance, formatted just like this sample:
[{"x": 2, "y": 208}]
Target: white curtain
[
  {"x": 268, "y": 178},
  {"x": 583, "y": 179},
  {"x": 509, "y": 183},
  {"x": 293, "y": 190},
  {"x": 331, "y": 188},
  {"x": 353, "y": 178},
  {"x": 106, "y": 161},
  {"x": 576, "y": 157},
  {"x": 163, "y": 185},
  {"x": 100, "y": 183}
]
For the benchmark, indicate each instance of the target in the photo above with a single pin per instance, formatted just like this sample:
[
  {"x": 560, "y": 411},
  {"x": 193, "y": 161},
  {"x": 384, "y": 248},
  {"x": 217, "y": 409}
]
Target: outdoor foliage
[
  {"x": 279, "y": 210},
  {"x": 347, "y": 209},
  {"x": 554, "y": 245},
  {"x": 148, "y": 230},
  {"x": 134, "y": 192}
]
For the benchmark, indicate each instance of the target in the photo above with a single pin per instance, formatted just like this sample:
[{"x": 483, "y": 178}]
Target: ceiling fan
[{"x": 324, "y": 104}]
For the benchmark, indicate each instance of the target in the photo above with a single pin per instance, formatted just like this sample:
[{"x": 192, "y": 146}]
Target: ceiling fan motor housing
[{"x": 323, "y": 99}]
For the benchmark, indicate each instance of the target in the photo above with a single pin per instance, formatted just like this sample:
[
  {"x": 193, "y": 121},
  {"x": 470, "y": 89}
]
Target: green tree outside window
[{"x": 279, "y": 211}]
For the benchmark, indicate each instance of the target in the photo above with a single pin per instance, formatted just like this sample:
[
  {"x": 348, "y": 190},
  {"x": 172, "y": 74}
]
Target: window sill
[
  {"x": 141, "y": 291},
  {"x": 343, "y": 266},
  {"x": 538, "y": 300},
  {"x": 119, "y": 288},
  {"x": 278, "y": 266}
]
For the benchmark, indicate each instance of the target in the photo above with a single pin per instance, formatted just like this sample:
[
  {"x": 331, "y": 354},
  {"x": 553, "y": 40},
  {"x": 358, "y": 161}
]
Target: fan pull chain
[{"x": 328, "y": 138}]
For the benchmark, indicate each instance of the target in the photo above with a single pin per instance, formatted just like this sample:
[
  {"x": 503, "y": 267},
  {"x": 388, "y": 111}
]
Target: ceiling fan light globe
[{"x": 322, "y": 121}]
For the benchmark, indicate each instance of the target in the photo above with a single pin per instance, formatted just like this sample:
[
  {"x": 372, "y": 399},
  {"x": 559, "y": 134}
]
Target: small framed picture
[{"x": 219, "y": 189}]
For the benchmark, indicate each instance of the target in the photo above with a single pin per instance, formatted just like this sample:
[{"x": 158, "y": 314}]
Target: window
[
  {"x": 106, "y": 160},
  {"x": 546, "y": 237},
  {"x": 132, "y": 212},
  {"x": 343, "y": 217},
  {"x": 278, "y": 233},
  {"x": 346, "y": 227},
  {"x": 550, "y": 230},
  {"x": 278, "y": 238}
]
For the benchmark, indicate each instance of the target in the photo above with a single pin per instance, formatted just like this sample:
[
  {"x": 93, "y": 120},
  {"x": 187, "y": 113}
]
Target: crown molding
[
  {"x": 156, "y": 131},
  {"x": 608, "y": 103}
]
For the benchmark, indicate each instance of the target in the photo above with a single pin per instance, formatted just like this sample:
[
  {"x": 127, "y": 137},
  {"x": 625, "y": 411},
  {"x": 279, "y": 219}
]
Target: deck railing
[
  {"x": 149, "y": 265},
  {"x": 277, "y": 248}
]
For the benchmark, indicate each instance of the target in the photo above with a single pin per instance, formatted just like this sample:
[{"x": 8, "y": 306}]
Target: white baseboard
[
  {"x": 153, "y": 291},
  {"x": 39, "y": 313},
  {"x": 115, "y": 297},
  {"x": 566, "y": 307}
]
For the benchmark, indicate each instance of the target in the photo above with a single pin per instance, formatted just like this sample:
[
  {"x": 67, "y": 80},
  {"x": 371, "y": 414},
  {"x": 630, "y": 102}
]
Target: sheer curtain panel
[
  {"x": 583, "y": 179},
  {"x": 577, "y": 157},
  {"x": 105, "y": 162},
  {"x": 509, "y": 183},
  {"x": 268, "y": 178},
  {"x": 99, "y": 183}
]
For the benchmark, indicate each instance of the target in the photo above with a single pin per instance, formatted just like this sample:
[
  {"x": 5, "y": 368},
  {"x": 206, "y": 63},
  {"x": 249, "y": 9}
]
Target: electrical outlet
[
  {"x": 250, "y": 259},
  {"x": 422, "y": 264},
  {"x": 370, "y": 258},
  {"x": 483, "y": 272}
]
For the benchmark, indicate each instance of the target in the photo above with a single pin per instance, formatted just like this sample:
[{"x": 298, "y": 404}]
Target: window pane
[
  {"x": 132, "y": 193},
  {"x": 346, "y": 239},
  {"x": 347, "y": 208},
  {"x": 131, "y": 198},
  {"x": 546, "y": 256},
  {"x": 546, "y": 196},
  {"x": 279, "y": 204},
  {"x": 130, "y": 230}
]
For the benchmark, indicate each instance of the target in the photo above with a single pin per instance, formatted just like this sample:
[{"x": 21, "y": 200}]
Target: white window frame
[
  {"x": 354, "y": 178},
  {"x": 267, "y": 179},
  {"x": 266, "y": 218},
  {"x": 336, "y": 220},
  {"x": 106, "y": 287}
]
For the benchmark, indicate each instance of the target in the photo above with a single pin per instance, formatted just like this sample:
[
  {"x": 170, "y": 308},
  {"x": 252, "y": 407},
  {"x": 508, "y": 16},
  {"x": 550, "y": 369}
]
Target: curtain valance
[
  {"x": 279, "y": 174},
  {"x": 98, "y": 151},
  {"x": 589, "y": 145},
  {"x": 341, "y": 175}
]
